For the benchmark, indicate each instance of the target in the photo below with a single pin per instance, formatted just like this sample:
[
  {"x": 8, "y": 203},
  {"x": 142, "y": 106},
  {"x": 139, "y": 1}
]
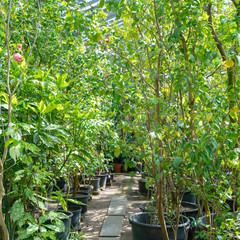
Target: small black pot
[
  {"x": 143, "y": 230},
  {"x": 83, "y": 202},
  {"x": 143, "y": 190},
  {"x": 103, "y": 180},
  {"x": 96, "y": 184}
]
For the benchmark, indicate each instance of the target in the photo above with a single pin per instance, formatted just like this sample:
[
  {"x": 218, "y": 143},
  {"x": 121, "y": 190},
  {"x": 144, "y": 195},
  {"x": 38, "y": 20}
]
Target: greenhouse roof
[{"x": 92, "y": 4}]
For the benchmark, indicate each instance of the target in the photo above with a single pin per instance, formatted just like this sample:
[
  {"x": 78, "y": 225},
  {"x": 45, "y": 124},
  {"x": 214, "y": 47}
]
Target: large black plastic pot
[
  {"x": 76, "y": 218},
  {"x": 143, "y": 190},
  {"x": 190, "y": 213},
  {"x": 189, "y": 197},
  {"x": 67, "y": 224},
  {"x": 103, "y": 180},
  {"x": 203, "y": 223},
  {"x": 83, "y": 202},
  {"x": 96, "y": 184},
  {"x": 143, "y": 230}
]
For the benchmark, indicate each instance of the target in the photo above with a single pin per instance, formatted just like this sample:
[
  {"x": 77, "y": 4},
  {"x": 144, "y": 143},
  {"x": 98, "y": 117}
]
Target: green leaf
[
  {"x": 52, "y": 127},
  {"x": 177, "y": 161},
  {"x": 238, "y": 60},
  {"x": 14, "y": 153},
  {"x": 159, "y": 175},
  {"x": 32, "y": 147},
  {"x": 17, "y": 210},
  {"x": 53, "y": 227},
  {"x": 132, "y": 174},
  {"x": 32, "y": 228},
  {"x": 117, "y": 152},
  {"x": 36, "y": 138},
  {"x": 10, "y": 130},
  {"x": 38, "y": 238},
  {"x": 41, "y": 106},
  {"x": 214, "y": 143},
  {"x": 205, "y": 157},
  {"x": 75, "y": 201},
  {"x": 9, "y": 141},
  {"x": 101, "y": 4},
  {"x": 60, "y": 225},
  {"x": 38, "y": 202},
  {"x": 50, "y": 107},
  {"x": 63, "y": 203},
  {"x": 28, "y": 192}
]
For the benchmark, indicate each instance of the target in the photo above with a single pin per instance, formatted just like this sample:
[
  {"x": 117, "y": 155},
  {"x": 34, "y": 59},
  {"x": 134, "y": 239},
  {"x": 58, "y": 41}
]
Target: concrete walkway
[
  {"x": 108, "y": 213},
  {"x": 112, "y": 225}
]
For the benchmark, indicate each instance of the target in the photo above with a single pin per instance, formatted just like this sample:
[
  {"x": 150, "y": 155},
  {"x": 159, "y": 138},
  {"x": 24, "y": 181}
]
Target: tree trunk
[{"x": 3, "y": 228}]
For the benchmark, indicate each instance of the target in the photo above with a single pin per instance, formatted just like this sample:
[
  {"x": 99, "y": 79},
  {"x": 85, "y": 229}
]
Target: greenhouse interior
[{"x": 120, "y": 119}]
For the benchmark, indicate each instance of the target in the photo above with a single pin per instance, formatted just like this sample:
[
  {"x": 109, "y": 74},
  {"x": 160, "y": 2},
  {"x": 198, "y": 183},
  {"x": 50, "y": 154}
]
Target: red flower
[
  {"x": 107, "y": 76},
  {"x": 18, "y": 57},
  {"x": 107, "y": 40},
  {"x": 20, "y": 46}
]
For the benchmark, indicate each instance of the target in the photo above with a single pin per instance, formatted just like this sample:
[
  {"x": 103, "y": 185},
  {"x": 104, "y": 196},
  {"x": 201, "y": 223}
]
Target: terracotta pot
[{"x": 117, "y": 167}]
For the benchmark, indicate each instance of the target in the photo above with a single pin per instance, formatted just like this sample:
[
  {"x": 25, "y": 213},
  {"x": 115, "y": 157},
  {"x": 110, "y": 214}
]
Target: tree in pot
[{"x": 155, "y": 97}]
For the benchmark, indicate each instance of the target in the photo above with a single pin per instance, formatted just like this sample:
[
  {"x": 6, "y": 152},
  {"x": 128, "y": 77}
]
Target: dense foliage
[{"x": 160, "y": 86}]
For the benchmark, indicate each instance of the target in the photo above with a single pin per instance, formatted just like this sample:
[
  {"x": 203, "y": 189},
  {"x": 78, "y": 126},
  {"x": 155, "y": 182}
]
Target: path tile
[
  {"x": 112, "y": 226},
  {"x": 109, "y": 238},
  {"x": 117, "y": 208},
  {"x": 119, "y": 198}
]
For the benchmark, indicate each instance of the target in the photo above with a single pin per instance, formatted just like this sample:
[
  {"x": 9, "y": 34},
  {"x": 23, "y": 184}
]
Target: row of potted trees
[
  {"x": 185, "y": 128},
  {"x": 192, "y": 218}
]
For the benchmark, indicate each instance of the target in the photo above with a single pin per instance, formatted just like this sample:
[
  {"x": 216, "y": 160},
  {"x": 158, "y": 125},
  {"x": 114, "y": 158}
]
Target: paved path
[
  {"x": 107, "y": 217},
  {"x": 112, "y": 224}
]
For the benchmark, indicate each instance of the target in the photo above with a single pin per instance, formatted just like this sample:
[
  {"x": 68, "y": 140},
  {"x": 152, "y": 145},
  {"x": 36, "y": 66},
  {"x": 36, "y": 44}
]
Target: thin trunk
[
  {"x": 3, "y": 228},
  {"x": 160, "y": 210},
  {"x": 160, "y": 185}
]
